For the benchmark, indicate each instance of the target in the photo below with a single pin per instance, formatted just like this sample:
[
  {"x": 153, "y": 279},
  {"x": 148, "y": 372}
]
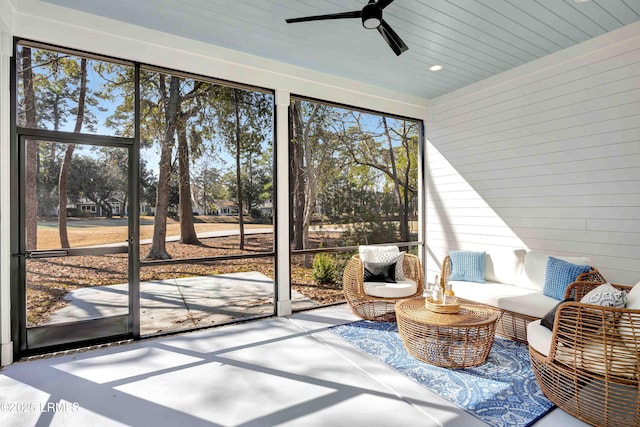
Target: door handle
[{"x": 47, "y": 254}]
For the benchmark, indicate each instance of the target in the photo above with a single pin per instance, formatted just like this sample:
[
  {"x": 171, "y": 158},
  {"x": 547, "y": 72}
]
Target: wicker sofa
[
  {"x": 514, "y": 281},
  {"x": 589, "y": 363}
]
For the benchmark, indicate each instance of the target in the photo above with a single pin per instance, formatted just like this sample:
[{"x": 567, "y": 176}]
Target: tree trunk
[
  {"x": 68, "y": 155},
  {"x": 404, "y": 233},
  {"x": 310, "y": 173},
  {"x": 124, "y": 209},
  {"x": 305, "y": 172},
  {"x": 297, "y": 175},
  {"x": 187, "y": 230},
  {"x": 310, "y": 195},
  {"x": 250, "y": 176},
  {"x": 31, "y": 193},
  {"x": 158, "y": 244},
  {"x": 407, "y": 173},
  {"x": 108, "y": 208},
  {"x": 62, "y": 196},
  {"x": 238, "y": 171}
]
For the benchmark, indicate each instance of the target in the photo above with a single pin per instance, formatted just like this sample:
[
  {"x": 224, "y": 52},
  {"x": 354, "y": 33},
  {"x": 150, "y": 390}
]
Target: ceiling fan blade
[
  {"x": 393, "y": 40},
  {"x": 343, "y": 15},
  {"x": 383, "y": 3}
]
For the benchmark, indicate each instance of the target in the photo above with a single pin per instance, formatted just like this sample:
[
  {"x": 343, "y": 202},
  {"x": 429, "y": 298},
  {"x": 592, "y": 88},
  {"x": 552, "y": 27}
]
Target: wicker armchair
[
  {"x": 593, "y": 364},
  {"x": 376, "y": 308},
  {"x": 513, "y": 325}
]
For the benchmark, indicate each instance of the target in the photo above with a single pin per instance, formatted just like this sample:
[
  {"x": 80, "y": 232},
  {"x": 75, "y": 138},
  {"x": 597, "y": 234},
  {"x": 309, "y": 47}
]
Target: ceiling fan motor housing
[{"x": 371, "y": 16}]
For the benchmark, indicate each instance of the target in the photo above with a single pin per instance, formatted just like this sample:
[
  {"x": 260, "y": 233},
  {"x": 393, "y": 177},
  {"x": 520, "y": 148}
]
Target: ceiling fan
[{"x": 371, "y": 16}]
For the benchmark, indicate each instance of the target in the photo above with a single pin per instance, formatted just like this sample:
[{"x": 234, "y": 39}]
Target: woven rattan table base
[{"x": 448, "y": 340}]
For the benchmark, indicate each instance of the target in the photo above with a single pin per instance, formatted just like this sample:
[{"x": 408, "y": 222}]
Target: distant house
[
  {"x": 225, "y": 208},
  {"x": 147, "y": 208},
  {"x": 266, "y": 209},
  {"x": 86, "y": 207}
]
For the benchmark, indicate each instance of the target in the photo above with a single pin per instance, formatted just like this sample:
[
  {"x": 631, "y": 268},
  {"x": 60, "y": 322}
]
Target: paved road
[{"x": 201, "y": 235}]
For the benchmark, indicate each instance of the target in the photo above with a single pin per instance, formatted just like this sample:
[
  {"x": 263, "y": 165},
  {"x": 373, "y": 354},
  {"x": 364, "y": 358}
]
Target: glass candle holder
[
  {"x": 449, "y": 296},
  {"x": 436, "y": 295}
]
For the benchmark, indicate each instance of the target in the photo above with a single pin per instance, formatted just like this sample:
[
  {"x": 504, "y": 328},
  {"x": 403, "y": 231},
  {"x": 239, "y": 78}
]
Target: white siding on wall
[{"x": 546, "y": 159}]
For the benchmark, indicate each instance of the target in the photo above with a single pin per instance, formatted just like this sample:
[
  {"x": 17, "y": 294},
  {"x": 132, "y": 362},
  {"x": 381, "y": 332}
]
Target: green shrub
[
  {"x": 324, "y": 269},
  {"x": 371, "y": 233}
]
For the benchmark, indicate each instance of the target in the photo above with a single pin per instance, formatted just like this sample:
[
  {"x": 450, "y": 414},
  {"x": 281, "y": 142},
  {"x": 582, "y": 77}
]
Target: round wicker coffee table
[{"x": 448, "y": 340}]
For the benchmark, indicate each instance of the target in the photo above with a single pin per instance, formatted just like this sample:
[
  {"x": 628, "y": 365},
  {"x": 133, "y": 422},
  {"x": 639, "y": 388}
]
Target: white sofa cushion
[
  {"x": 503, "y": 265},
  {"x": 507, "y": 297},
  {"x": 401, "y": 289},
  {"x": 535, "y": 268},
  {"x": 633, "y": 297},
  {"x": 628, "y": 331},
  {"x": 539, "y": 337}
]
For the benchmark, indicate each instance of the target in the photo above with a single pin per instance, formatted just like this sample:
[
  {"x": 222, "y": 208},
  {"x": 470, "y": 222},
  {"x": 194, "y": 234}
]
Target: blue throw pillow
[
  {"x": 467, "y": 266},
  {"x": 559, "y": 275}
]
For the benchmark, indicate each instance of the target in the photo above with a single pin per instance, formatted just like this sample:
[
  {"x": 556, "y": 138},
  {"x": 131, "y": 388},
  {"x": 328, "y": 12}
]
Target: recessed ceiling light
[
  {"x": 582, "y": 1},
  {"x": 435, "y": 67}
]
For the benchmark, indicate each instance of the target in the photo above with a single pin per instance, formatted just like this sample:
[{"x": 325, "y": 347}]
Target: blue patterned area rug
[{"x": 501, "y": 392}]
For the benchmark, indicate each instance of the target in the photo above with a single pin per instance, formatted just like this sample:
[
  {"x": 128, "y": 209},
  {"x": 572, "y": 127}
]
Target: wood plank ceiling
[{"x": 471, "y": 39}]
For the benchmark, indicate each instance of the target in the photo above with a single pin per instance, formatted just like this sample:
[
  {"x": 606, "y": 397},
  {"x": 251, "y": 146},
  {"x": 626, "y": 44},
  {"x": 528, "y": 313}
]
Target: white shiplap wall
[{"x": 545, "y": 157}]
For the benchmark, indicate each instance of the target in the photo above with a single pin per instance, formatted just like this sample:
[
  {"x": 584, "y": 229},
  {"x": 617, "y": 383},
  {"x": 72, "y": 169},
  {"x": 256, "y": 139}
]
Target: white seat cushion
[
  {"x": 592, "y": 357},
  {"x": 401, "y": 289},
  {"x": 628, "y": 331},
  {"x": 539, "y": 337},
  {"x": 506, "y": 297},
  {"x": 633, "y": 298}
]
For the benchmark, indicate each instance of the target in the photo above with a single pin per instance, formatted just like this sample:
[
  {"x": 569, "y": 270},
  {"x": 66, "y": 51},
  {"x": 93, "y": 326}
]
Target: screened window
[
  {"x": 206, "y": 168},
  {"x": 60, "y": 91},
  {"x": 206, "y": 187},
  {"x": 354, "y": 181}
]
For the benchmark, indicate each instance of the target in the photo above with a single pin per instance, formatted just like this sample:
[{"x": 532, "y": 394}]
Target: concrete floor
[
  {"x": 180, "y": 304},
  {"x": 277, "y": 371}
]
